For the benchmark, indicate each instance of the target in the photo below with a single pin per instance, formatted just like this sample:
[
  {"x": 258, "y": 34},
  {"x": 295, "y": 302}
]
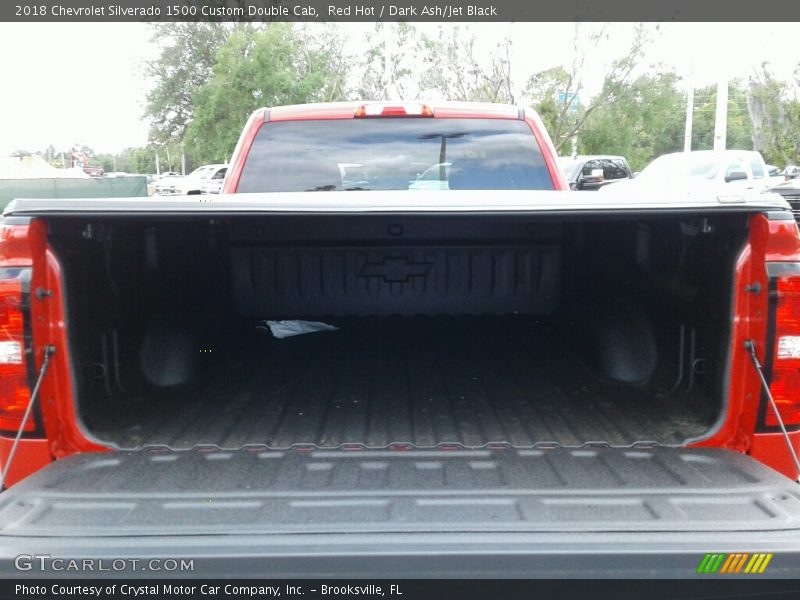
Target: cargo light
[
  {"x": 408, "y": 109},
  {"x": 785, "y": 376},
  {"x": 14, "y": 389}
]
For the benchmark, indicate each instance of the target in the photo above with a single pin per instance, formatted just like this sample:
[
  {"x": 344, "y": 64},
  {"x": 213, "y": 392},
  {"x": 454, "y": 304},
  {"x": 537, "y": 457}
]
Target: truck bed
[
  {"x": 422, "y": 381},
  {"x": 466, "y": 330}
]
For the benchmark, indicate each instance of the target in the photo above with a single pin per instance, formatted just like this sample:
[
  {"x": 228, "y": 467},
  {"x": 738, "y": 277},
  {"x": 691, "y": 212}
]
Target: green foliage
[
  {"x": 142, "y": 160},
  {"x": 188, "y": 54},
  {"x": 564, "y": 119},
  {"x": 393, "y": 68},
  {"x": 137, "y": 160},
  {"x": 107, "y": 162},
  {"x": 254, "y": 68},
  {"x": 542, "y": 92},
  {"x": 646, "y": 120},
  {"x": 777, "y": 118},
  {"x": 129, "y": 160},
  {"x": 452, "y": 68},
  {"x": 740, "y": 127},
  {"x": 210, "y": 76}
]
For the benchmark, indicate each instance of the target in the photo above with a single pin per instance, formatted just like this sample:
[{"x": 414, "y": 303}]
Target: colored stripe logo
[{"x": 742, "y": 563}]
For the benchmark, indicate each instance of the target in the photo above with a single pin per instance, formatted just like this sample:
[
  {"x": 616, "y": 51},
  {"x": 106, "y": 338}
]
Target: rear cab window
[
  {"x": 735, "y": 166},
  {"x": 590, "y": 166},
  {"x": 394, "y": 154},
  {"x": 617, "y": 169}
]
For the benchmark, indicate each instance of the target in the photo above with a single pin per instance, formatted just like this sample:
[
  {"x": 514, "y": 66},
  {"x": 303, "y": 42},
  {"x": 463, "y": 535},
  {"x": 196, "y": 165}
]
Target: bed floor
[{"x": 424, "y": 381}]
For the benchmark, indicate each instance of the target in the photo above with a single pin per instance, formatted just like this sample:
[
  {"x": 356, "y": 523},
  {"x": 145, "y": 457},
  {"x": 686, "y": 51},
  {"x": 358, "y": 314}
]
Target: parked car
[
  {"x": 791, "y": 172},
  {"x": 790, "y": 191},
  {"x": 594, "y": 171},
  {"x": 213, "y": 185},
  {"x": 151, "y": 183},
  {"x": 774, "y": 176},
  {"x": 167, "y": 185},
  {"x": 512, "y": 379},
  {"x": 703, "y": 172},
  {"x": 193, "y": 182}
]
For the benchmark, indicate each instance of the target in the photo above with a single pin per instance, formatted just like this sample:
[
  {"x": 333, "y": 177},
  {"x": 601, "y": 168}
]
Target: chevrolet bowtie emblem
[{"x": 395, "y": 269}]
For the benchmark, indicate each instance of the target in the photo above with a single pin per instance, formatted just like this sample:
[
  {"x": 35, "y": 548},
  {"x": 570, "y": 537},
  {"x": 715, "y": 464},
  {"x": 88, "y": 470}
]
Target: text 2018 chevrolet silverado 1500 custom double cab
[{"x": 559, "y": 383}]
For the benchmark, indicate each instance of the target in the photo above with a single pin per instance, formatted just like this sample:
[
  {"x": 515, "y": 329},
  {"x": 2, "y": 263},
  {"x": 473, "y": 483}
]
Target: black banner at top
[{"x": 397, "y": 10}]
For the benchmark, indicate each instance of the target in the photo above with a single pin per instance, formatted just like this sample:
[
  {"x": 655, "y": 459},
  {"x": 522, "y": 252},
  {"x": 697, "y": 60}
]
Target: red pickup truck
[{"x": 517, "y": 372}]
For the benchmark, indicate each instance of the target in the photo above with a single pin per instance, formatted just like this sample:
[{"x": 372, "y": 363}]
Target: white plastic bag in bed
[{"x": 284, "y": 329}]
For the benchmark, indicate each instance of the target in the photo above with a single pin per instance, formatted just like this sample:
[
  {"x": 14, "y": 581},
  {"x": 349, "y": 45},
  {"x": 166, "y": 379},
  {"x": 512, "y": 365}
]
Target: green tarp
[{"x": 99, "y": 187}]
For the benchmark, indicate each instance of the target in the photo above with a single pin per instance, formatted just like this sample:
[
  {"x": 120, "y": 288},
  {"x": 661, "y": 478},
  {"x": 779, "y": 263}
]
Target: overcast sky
[{"x": 83, "y": 83}]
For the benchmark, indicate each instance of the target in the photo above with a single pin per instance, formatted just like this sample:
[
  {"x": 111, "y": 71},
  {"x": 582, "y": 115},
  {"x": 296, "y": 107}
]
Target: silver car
[{"x": 213, "y": 185}]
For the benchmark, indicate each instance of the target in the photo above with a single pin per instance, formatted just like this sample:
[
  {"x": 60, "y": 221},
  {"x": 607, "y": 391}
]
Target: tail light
[
  {"x": 785, "y": 371},
  {"x": 14, "y": 389}
]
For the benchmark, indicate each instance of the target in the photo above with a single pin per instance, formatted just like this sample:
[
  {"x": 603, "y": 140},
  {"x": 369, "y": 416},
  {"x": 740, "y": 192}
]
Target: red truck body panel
[
  {"x": 770, "y": 241},
  {"x": 26, "y": 246}
]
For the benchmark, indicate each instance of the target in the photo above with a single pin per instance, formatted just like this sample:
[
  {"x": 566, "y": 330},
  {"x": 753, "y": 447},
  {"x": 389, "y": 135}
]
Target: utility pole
[
  {"x": 687, "y": 134},
  {"x": 183, "y": 160},
  {"x": 573, "y": 151},
  {"x": 158, "y": 166},
  {"x": 721, "y": 121}
]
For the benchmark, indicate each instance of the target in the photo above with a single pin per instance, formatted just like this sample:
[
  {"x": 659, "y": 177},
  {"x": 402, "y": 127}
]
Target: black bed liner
[
  {"x": 269, "y": 492},
  {"x": 422, "y": 381}
]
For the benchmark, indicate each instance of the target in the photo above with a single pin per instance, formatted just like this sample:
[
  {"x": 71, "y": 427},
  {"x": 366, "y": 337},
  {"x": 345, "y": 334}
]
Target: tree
[
  {"x": 776, "y": 118},
  {"x": 188, "y": 53},
  {"x": 555, "y": 91},
  {"x": 645, "y": 121},
  {"x": 321, "y": 49},
  {"x": 543, "y": 92},
  {"x": 107, "y": 162},
  {"x": 142, "y": 160},
  {"x": 396, "y": 56},
  {"x": 257, "y": 67},
  {"x": 739, "y": 132},
  {"x": 455, "y": 71},
  {"x": 403, "y": 63},
  {"x": 130, "y": 160}
]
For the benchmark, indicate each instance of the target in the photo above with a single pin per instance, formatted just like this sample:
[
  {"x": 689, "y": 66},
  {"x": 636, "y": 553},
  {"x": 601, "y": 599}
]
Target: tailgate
[{"x": 655, "y": 505}]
